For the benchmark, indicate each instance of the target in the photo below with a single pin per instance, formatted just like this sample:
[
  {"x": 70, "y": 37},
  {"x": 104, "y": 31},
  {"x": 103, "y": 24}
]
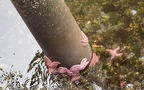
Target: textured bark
[{"x": 55, "y": 29}]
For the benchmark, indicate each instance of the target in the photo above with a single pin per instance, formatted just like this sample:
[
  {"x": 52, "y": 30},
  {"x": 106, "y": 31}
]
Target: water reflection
[{"x": 17, "y": 45}]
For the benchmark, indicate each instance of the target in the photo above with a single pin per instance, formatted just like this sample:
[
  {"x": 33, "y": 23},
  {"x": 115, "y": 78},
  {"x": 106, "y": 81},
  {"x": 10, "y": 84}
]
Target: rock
[{"x": 96, "y": 87}]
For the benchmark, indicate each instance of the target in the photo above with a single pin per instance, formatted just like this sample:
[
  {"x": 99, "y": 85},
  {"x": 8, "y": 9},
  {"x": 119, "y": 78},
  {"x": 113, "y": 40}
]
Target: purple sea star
[
  {"x": 63, "y": 71},
  {"x": 113, "y": 53},
  {"x": 73, "y": 72},
  {"x": 75, "y": 78},
  {"x": 81, "y": 66},
  {"x": 51, "y": 65}
]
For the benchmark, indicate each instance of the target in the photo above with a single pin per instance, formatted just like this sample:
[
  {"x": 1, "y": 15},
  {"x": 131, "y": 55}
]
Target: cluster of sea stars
[
  {"x": 73, "y": 72},
  {"x": 95, "y": 59},
  {"x": 85, "y": 42},
  {"x": 113, "y": 52}
]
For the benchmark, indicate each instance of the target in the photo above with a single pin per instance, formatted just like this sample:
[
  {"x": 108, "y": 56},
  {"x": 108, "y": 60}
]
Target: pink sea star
[
  {"x": 75, "y": 78},
  {"x": 51, "y": 65},
  {"x": 53, "y": 71},
  {"x": 64, "y": 71},
  {"x": 81, "y": 66},
  {"x": 113, "y": 53},
  {"x": 95, "y": 59},
  {"x": 85, "y": 40},
  {"x": 73, "y": 72}
]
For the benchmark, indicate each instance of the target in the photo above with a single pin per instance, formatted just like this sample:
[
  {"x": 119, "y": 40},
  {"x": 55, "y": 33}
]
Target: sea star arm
[
  {"x": 95, "y": 59},
  {"x": 85, "y": 40}
]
